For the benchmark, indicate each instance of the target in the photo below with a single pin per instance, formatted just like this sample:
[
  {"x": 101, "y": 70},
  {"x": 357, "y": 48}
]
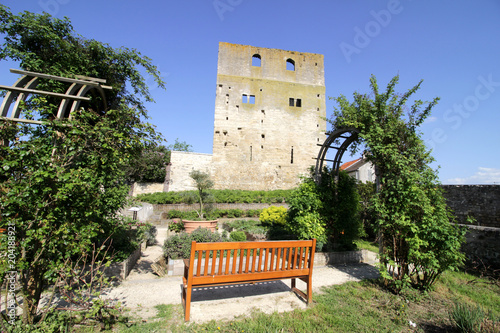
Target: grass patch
[
  {"x": 355, "y": 307},
  {"x": 367, "y": 245}
]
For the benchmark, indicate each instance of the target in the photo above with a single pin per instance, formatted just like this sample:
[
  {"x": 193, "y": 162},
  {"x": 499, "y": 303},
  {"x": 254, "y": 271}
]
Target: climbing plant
[
  {"x": 418, "y": 240},
  {"x": 62, "y": 182}
]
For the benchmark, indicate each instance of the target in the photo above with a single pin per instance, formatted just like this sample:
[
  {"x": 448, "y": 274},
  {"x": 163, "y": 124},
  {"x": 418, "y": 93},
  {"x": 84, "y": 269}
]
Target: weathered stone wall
[
  {"x": 483, "y": 247},
  {"x": 479, "y": 201},
  {"x": 182, "y": 163},
  {"x": 261, "y": 142},
  {"x": 143, "y": 188}
]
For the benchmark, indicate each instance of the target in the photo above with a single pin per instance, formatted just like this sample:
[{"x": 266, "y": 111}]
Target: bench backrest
[{"x": 219, "y": 262}]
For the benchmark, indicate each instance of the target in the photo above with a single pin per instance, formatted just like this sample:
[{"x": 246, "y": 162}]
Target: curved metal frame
[
  {"x": 328, "y": 144},
  {"x": 26, "y": 85}
]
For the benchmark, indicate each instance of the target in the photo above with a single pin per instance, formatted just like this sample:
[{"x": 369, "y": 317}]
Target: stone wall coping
[{"x": 478, "y": 227}]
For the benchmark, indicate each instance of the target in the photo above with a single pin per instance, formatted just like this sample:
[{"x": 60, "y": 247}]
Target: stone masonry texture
[
  {"x": 482, "y": 202},
  {"x": 269, "y": 116},
  {"x": 269, "y": 119}
]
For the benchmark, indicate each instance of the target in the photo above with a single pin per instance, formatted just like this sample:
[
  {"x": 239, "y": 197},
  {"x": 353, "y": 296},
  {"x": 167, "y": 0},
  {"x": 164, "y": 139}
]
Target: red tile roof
[{"x": 348, "y": 164}]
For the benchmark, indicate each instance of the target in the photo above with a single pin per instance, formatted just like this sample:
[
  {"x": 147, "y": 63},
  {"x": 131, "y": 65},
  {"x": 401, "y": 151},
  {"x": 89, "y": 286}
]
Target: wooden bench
[{"x": 212, "y": 264}]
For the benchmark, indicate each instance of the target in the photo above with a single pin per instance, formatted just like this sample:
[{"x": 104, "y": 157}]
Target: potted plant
[{"x": 203, "y": 183}]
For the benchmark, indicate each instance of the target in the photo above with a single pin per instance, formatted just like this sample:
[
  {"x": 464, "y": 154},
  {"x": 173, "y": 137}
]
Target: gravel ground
[{"x": 143, "y": 289}]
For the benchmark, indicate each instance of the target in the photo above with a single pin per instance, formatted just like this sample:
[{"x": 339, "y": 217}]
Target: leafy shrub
[
  {"x": 238, "y": 236},
  {"x": 273, "y": 216},
  {"x": 304, "y": 220},
  {"x": 146, "y": 232},
  {"x": 253, "y": 212},
  {"x": 178, "y": 246},
  {"x": 176, "y": 226},
  {"x": 174, "y": 214},
  {"x": 234, "y": 213},
  {"x": 204, "y": 235},
  {"x": 242, "y": 225}
]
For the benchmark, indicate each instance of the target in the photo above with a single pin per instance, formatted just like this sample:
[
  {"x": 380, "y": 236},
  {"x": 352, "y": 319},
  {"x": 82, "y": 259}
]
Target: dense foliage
[
  {"x": 151, "y": 164},
  {"x": 419, "y": 242},
  {"x": 304, "y": 218},
  {"x": 62, "y": 182},
  {"x": 328, "y": 211},
  {"x": 178, "y": 246},
  {"x": 273, "y": 215},
  {"x": 221, "y": 196}
]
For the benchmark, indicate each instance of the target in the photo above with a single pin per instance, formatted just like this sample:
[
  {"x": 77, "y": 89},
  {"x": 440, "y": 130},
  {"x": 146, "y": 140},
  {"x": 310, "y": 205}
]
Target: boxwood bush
[{"x": 178, "y": 246}]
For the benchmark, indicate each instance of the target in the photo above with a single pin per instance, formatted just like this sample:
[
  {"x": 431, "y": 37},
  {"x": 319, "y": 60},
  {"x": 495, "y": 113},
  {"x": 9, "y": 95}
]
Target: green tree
[
  {"x": 151, "y": 165},
  {"x": 418, "y": 240},
  {"x": 62, "y": 182},
  {"x": 203, "y": 183}
]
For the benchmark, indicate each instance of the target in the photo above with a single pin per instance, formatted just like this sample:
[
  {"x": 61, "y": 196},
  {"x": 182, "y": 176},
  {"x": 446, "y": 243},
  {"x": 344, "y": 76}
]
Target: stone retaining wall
[
  {"x": 121, "y": 270},
  {"x": 482, "y": 247},
  {"x": 481, "y": 202}
]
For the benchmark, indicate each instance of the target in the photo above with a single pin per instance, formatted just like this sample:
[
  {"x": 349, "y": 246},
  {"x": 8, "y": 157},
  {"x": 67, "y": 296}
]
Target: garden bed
[{"x": 120, "y": 270}]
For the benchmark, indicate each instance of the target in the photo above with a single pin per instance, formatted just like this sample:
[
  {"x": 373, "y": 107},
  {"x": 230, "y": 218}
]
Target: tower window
[
  {"x": 290, "y": 65},
  {"x": 295, "y": 102},
  {"x": 248, "y": 99},
  {"x": 291, "y": 156},
  {"x": 256, "y": 60}
]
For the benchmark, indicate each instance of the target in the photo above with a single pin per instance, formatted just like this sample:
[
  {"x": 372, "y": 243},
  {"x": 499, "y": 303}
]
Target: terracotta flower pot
[{"x": 190, "y": 226}]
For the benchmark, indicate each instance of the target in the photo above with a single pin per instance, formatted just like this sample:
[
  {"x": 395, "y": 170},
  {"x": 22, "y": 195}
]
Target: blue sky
[{"x": 454, "y": 46}]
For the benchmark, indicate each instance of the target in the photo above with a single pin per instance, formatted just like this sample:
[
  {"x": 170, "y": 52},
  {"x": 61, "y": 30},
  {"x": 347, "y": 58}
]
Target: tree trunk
[{"x": 32, "y": 291}]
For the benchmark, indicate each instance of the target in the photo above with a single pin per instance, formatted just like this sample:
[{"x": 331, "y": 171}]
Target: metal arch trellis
[
  {"x": 71, "y": 99},
  {"x": 348, "y": 135}
]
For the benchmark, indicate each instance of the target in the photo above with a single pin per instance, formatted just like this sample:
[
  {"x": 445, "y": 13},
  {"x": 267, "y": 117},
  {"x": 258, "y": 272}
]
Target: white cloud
[{"x": 483, "y": 176}]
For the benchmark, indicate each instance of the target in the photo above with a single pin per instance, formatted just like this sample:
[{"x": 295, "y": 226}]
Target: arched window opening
[
  {"x": 290, "y": 65},
  {"x": 256, "y": 60}
]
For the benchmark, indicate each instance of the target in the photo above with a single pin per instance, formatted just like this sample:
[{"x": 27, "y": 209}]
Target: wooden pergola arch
[
  {"x": 338, "y": 140},
  {"x": 70, "y": 100}
]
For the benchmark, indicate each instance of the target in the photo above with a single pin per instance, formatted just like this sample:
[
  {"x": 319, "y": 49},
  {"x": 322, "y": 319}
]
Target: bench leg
[
  {"x": 186, "y": 301},
  {"x": 309, "y": 289},
  {"x": 306, "y": 296}
]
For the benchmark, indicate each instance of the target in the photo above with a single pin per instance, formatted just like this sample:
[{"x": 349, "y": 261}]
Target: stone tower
[{"x": 269, "y": 117}]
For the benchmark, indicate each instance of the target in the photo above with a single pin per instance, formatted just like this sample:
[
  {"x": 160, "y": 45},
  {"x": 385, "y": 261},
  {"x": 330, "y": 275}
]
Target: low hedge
[
  {"x": 213, "y": 214},
  {"x": 225, "y": 196}
]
